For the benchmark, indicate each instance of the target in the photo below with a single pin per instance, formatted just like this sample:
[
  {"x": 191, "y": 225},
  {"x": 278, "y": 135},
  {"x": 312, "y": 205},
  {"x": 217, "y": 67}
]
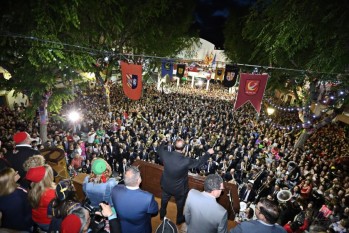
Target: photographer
[
  {"x": 77, "y": 221},
  {"x": 90, "y": 220},
  {"x": 114, "y": 222}
]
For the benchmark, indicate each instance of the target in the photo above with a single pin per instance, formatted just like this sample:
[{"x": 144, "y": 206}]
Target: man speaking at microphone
[
  {"x": 174, "y": 179},
  {"x": 202, "y": 212}
]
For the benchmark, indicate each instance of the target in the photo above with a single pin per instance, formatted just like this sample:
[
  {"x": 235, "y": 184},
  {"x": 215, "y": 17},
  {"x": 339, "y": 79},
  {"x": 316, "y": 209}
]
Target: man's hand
[
  {"x": 210, "y": 151},
  {"x": 106, "y": 210}
]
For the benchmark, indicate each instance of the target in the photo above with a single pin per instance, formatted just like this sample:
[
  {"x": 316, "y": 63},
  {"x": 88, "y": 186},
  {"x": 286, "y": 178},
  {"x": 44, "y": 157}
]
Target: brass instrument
[
  {"x": 284, "y": 196},
  {"x": 264, "y": 186},
  {"x": 256, "y": 176}
]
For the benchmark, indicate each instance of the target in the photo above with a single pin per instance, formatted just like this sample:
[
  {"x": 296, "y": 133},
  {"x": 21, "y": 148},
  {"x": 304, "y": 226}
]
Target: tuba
[{"x": 284, "y": 196}]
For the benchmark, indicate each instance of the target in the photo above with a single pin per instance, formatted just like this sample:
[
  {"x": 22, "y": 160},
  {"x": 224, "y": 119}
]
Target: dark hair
[
  {"x": 212, "y": 182},
  {"x": 270, "y": 210},
  {"x": 295, "y": 225},
  {"x": 250, "y": 213}
]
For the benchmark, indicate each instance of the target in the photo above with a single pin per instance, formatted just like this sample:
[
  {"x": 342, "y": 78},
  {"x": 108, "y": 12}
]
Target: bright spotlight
[
  {"x": 270, "y": 111},
  {"x": 74, "y": 116}
]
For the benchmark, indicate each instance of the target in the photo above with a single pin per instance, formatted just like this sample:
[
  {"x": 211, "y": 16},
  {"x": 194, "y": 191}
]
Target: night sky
[{"x": 211, "y": 15}]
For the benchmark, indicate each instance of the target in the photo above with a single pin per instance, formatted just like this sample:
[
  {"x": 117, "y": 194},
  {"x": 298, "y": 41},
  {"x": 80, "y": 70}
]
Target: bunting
[
  {"x": 251, "y": 88},
  {"x": 230, "y": 75},
  {"x": 219, "y": 74},
  {"x": 167, "y": 68},
  {"x": 180, "y": 70},
  {"x": 132, "y": 80}
]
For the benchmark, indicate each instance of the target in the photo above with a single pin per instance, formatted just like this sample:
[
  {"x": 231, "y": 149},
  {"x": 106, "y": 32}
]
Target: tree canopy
[
  {"x": 47, "y": 43},
  {"x": 309, "y": 39}
]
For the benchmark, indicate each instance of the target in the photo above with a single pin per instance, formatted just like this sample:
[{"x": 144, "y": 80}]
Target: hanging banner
[
  {"x": 193, "y": 67},
  {"x": 167, "y": 68},
  {"x": 230, "y": 75},
  {"x": 251, "y": 88},
  {"x": 132, "y": 80},
  {"x": 180, "y": 70},
  {"x": 219, "y": 74}
]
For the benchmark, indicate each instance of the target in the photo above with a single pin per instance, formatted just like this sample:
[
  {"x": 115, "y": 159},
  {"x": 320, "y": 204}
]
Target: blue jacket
[
  {"x": 134, "y": 209},
  {"x": 99, "y": 192}
]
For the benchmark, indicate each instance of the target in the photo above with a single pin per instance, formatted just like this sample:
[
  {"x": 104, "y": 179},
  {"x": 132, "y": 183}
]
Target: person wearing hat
[
  {"x": 20, "y": 154},
  {"x": 98, "y": 185},
  {"x": 41, "y": 193},
  {"x": 63, "y": 204},
  {"x": 77, "y": 221}
]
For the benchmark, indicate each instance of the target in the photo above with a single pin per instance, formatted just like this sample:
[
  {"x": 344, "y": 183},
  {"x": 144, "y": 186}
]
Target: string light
[{"x": 113, "y": 54}]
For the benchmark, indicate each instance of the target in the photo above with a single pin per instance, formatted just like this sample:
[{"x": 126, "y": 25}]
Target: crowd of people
[{"x": 245, "y": 149}]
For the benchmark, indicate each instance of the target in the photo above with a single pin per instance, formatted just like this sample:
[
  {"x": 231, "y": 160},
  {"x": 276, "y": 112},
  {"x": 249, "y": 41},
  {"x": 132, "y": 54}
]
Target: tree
[
  {"x": 45, "y": 44},
  {"x": 311, "y": 40}
]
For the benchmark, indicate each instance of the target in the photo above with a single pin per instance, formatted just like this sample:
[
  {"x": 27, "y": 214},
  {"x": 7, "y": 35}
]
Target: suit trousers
[{"x": 180, "y": 202}]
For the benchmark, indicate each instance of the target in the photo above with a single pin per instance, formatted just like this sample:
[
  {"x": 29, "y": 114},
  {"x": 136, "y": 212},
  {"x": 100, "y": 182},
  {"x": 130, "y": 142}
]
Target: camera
[{"x": 97, "y": 223}]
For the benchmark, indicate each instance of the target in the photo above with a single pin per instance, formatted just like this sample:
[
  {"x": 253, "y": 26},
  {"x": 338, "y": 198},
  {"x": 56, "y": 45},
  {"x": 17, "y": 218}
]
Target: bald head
[{"x": 179, "y": 145}]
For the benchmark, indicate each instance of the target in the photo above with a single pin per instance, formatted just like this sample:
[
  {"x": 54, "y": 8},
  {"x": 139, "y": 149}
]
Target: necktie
[{"x": 246, "y": 195}]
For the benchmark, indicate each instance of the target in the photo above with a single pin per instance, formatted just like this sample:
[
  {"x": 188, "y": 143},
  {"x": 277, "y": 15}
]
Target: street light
[{"x": 270, "y": 111}]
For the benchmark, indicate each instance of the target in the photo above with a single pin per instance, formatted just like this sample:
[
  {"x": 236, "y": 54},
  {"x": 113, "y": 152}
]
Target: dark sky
[{"x": 211, "y": 15}]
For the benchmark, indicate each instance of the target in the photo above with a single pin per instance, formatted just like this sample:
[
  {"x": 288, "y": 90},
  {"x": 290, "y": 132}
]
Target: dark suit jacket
[
  {"x": 16, "y": 159},
  {"x": 174, "y": 178},
  {"x": 251, "y": 196},
  {"x": 134, "y": 209}
]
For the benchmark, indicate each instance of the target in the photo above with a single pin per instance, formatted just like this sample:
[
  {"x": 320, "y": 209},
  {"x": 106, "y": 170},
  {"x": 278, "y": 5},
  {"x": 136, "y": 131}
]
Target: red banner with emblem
[
  {"x": 132, "y": 80},
  {"x": 251, "y": 88}
]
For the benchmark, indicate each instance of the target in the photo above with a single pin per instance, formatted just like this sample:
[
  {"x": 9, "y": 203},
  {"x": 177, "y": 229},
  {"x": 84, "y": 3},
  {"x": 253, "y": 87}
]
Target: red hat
[
  {"x": 20, "y": 137},
  {"x": 71, "y": 224},
  {"x": 36, "y": 174}
]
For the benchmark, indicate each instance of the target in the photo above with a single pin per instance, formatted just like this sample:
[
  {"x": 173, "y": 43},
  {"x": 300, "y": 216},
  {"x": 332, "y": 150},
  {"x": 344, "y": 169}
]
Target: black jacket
[{"x": 174, "y": 178}]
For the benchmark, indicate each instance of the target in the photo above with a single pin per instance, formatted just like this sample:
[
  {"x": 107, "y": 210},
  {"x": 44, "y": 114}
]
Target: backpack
[{"x": 167, "y": 226}]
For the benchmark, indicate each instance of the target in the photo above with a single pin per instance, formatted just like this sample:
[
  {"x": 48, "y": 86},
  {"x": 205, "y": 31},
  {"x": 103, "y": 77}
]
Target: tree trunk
[
  {"x": 301, "y": 140},
  {"x": 43, "y": 132},
  {"x": 43, "y": 113}
]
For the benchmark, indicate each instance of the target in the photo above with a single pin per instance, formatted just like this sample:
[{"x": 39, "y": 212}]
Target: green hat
[{"x": 99, "y": 166}]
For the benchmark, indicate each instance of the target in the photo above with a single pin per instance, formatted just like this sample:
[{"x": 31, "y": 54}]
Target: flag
[
  {"x": 193, "y": 67},
  {"x": 180, "y": 70},
  {"x": 230, "y": 75},
  {"x": 132, "y": 80},
  {"x": 167, "y": 68},
  {"x": 219, "y": 74},
  {"x": 214, "y": 60},
  {"x": 208, "y": 59},
  {"x": 251, "y": 88}
]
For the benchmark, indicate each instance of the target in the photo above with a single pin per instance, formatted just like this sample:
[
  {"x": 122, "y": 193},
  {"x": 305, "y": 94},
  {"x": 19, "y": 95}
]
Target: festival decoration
[
  {"x": 132, "y": 80},
  {"x": 251, "y": 88}
]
